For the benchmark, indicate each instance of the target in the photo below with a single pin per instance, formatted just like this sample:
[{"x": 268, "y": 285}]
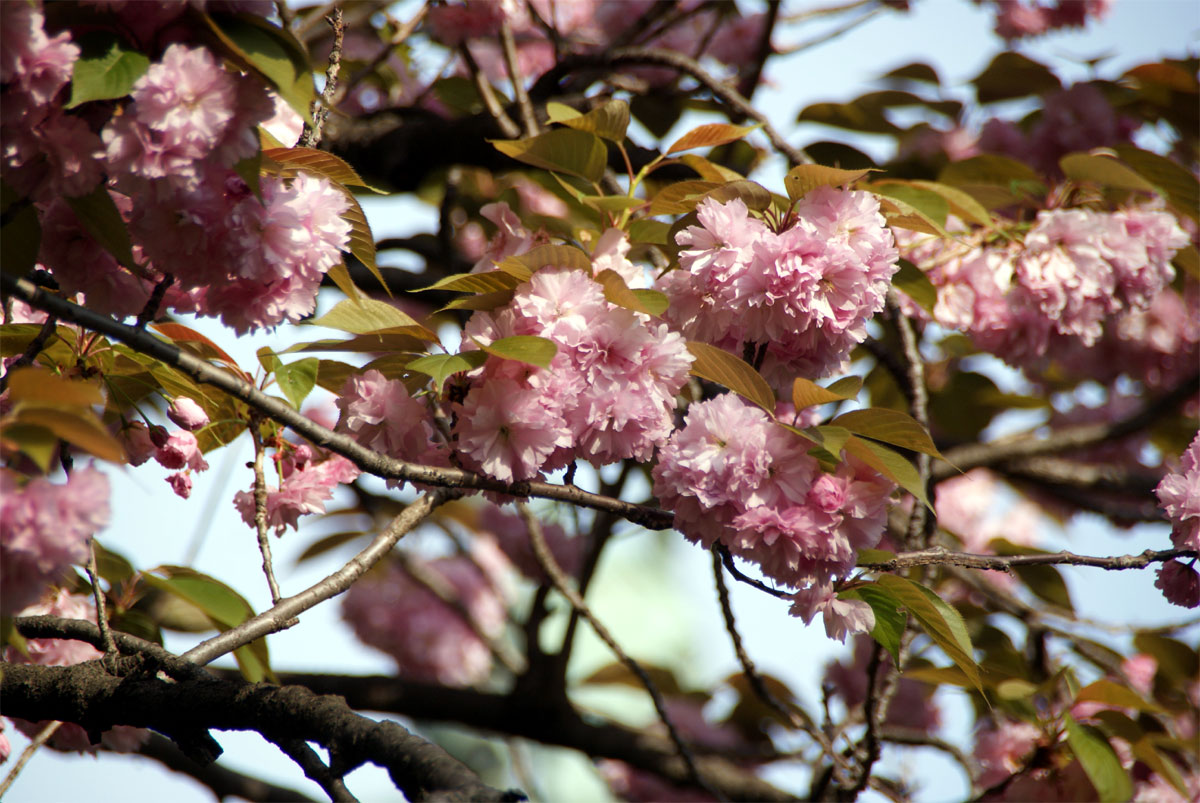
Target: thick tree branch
[
  {"x": 87, "y": 695},
  {"x": 942, "y": 557},
  {"x": 223, "y": 782},
  {"x": 369, "y": 461}
]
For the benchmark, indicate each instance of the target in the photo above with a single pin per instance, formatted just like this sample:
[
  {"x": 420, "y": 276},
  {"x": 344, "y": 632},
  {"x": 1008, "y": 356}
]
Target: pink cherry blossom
[
  {"x": 187, "y": 414},
  {"x": 842, "y": 617},
  {"x": 1179, "y": 495},
  {"x": 429, "y": 639},
  {"x": 45, "y": 527},
  {"x": 379, "y": 413},
  {"x": 181, "y": 483},
  {"x": 304, "y": 491},
  {"x": 512, "y": 537},
  {"x": 1180, "y": 583},
  {"x": 1002, "y": 749},
  {"x": 181, "y": 450}
]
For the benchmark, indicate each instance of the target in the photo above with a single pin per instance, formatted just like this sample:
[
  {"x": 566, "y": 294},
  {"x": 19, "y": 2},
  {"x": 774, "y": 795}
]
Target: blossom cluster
[
  {"x": 178, "y": 450},
  {"x": 430, "y": 640},
  {"x": 252, "y": 256},
  {"x": 608, "y": 394},
  {"x": 44, "y": 528},
  {"x": 733, "y": 476},
  {"x": 380, "y": 414},
  {"x": 1077, "y": 270},
  {"x": 67, "y": 652},
  {"x": 804, "y": 293},
  {"x": 305, "y": 488},
  {"x": 1019, "y": 19},
  {"x": 1179, "y": 496}
]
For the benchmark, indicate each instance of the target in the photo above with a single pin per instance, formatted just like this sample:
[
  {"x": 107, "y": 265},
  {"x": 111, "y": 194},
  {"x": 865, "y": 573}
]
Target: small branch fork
[{"x": 558, "y": 578}]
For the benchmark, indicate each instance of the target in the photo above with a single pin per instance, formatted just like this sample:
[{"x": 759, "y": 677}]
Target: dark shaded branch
[
  {"x": 223, "y": 781},
  {"x": 87, "y": 695},
  {"x": 315, "y": 770},
  {"x": 942, "y": 557}
]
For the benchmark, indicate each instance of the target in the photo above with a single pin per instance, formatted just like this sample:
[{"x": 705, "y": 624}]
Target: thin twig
[
  {"x": 558, "y": 577},
  {"x": 311, "y": 135},
  {"x": 938, "y": 556},
  {"x": 260, "y": 508},
  {"x": 40, "y": 739},
  {"x": 727, "y": 559},
  {"x": 49, "y": 327},
  {"x": 918, "y": 407},
  {"x": 150, "y": 311},
  {"x": 278, "y": 617},
  {"x": 834, "y": 34},
  {"x": 110, "y": 648},
  {"x": 488, "y": 96},
  {"x": 509, "y": 45}
]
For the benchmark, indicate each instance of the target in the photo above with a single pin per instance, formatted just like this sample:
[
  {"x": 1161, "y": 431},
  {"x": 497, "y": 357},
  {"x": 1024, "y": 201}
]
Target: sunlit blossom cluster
[
  {"x": 44, "y": 528},
  {"x": 1019, "y": 19},
  {"x": 429, "y": 639},
  {"x": 805, "y": 293},
  {"x": 67, "y": 652},
  {"x": 380, "y": 414},
  {"x": 608, "y": 394},
  {"x": 733, "y": 476},
  {"x": 305, "y": 488},
  {"x": 1076, "y": 272}
]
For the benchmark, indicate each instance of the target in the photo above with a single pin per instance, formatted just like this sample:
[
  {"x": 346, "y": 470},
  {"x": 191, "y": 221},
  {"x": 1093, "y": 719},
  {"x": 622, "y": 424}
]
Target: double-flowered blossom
[
  {"x": 304, "y": 490},
  {"x": 380, "y": 414},
  {"x": 67, "y": 652},
  {"x": 44, "y": 528},
  {"x": 430, "y": 640},
  {"x": 608, "y": 394},
  {"x": 805, "y": 292},
  {"x": 733, "y": 476},
  {"x": 1179, "y": 496}
]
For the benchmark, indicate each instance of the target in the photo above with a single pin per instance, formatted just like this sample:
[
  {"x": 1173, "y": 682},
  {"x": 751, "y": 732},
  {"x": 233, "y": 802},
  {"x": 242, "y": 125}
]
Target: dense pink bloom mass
[
  {"x": 305, "y": 490},
  {"x": 44, "y": 528},
  {"x": 1179, "y": 495},
  {"x": 608, "y": 394},
  {"x": 430, "y": 641},
  {"x": 378, "y": 413},
  {"x": 806, "y": 292},
  {"x": 67, "y": 652},
  {"x": 733, "y": 476}
]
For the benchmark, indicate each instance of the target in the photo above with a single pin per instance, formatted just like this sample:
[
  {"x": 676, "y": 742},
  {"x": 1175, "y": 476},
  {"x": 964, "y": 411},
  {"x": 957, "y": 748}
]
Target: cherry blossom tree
[{"x": 805, "y": 361}]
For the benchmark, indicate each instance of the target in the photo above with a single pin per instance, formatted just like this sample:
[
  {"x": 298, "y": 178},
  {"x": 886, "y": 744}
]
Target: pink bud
[
  {"x": 187, "y": 414},
  {"x": 159, "y": 436}
]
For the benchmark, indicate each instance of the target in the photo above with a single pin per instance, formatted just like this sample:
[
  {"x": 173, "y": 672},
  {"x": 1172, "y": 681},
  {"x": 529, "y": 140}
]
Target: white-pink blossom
[
  {"x": 1179, "y": 495},
  {"x": 187, "y": 414},
  {"x": 304, "y": 491},
  {"x": 181, "y": 450}
]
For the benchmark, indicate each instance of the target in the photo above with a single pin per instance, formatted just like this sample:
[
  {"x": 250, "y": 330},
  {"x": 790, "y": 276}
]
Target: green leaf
[
  {"x": 901, "y": 214},
  {"x": 1114, "y": 694},
  {"x": 79, "y": 427},
  {"x": 483, "y": 301},
  {"x": 914, "y": 71},
  {"x": 322, "y": 163},
  {"x": 710, "y": 171},
  {"x": 1181, "y": 187},
  {"x": 889, "y": 619},
  {"x": 993, "y": 180},
  {"x": 365, "y": 316},
  {"x": 1145, "y": 750},
  {"x": 362, "y": 241},
  {"x": 616, "y": 291},
  {"x": 106, "y": 68},
  {"x": 961, "y": 204},
  {"x": 490, "y": 282},
  {"x": 1176, "y": 660},
  {"x": 612, "y": 203},
  {"x": 525, "y": 265},
  {"x": 1011, "y": 75},
  {"x": 392, "y": 341},
  {"x": 681, "y": 197},
  {"x": 538, "y": 351},
  {"x": 848, "y": 386},
  {"x": 890, "y": 464},
  {"x": 443, "y": 366},
  {"x": 802, "y": 179},
  {"x": 913, "y": 282},
  {"x": 718, "y": 365},
  {"x": 327, "y": 543},
  {"x": 224, "y": 607},
  {"x": 250, "y": 171},
  {"x": 99, "y": 217},
  {"x": 710, "y": 135},
  {"x": 889, "y": 426},
  {"x": 178, "y": 333},
  {"x": 608, "y": 121},
  {"x": 645, "y": 230},
  {"x": 111, "y": 566},
  {"x": 564, "y": 150},
  {"x": 652, "y": 301},
  {"x": 1103, "y": 170},
  {"x": 39, "y": 444},
  {"x": 297, "y": 379},
  {"x": 269, "y": 51},
  {"x": 930, "y": 204},
  {"x": 1099, "y": 761},
  {"x": 753, "y": 194},
  {"x": 806, "y": 393},
  {"x": 939, "y": 620},
  {"x": 831, "y": 439}
]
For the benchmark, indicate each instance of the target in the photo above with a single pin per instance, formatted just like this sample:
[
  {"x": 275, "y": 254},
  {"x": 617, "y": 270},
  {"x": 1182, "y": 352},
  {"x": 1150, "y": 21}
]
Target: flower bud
[{"x": 187, "y": 414}]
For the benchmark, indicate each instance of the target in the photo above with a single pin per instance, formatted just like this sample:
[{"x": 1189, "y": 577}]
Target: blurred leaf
[
  {"x": 323, "y": 163},
  {"x": 79, "y": 427},
  {"x": 99, "y": 217},
  {"x": 914, "y": 71},
  {"x": 620, "y": 675},
  {"x": 20, "y": 234},
  {"x": 993, "y": 180},
  {"x": 889, "y": 620},
  {"x": 718, "y": 365},
  {"x": 530, "y": 349},
  {"x": 889, "y": 426},
  {"x": 269, "y": 51},
  {"x": 1011, "y": 75},
  {"x": 645, "y": 230},
  {"x": 112, "y": 566},
  {"x": 1181, "y": 187},
  {"x": 525, "y": 265},
  {"x": 493, "y": 281},
  {"x": 709, "y": 135},
  {"x": 913, "y": 282},
  {"x": 565, "y": 150},
  {"x": 839, "y": 154},
  {"x": 442, "y": 366},
  {"x": 105, "y": 69},
  {"x": 680, "y": 198},
  {"x": 389, "y": 341},
  {"x": 39, "y": 386},
  {"x": 940, "y": 621},
  {"x": 39, "y": 444},
  {"x": 961, "y": 204},
  {"x": 1114, "y": 694},
  {"x": 608, "y": 121},
  {"x": 751, "y": 193},
  {"x": 1145, "y": 751},
  {"x": 1103, "y": 170},
  {"x": 652, "y": 301},
  {"x": 368, "y": 315},
  {"x": 1101, "y": 764},
  {"x": 178, "y": 333},
  {"x": 1176, "y": 660},
  {"x": 459, "y": 93},
  {"x": 222, "y": 605},
  {"x": 1046, "y": 582},
  {"x": 612, "y": 203},
  {"x": 326, "y": 544},
  {"x": 709, "y": 171},
  {"x": 802, "y": 179}
]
